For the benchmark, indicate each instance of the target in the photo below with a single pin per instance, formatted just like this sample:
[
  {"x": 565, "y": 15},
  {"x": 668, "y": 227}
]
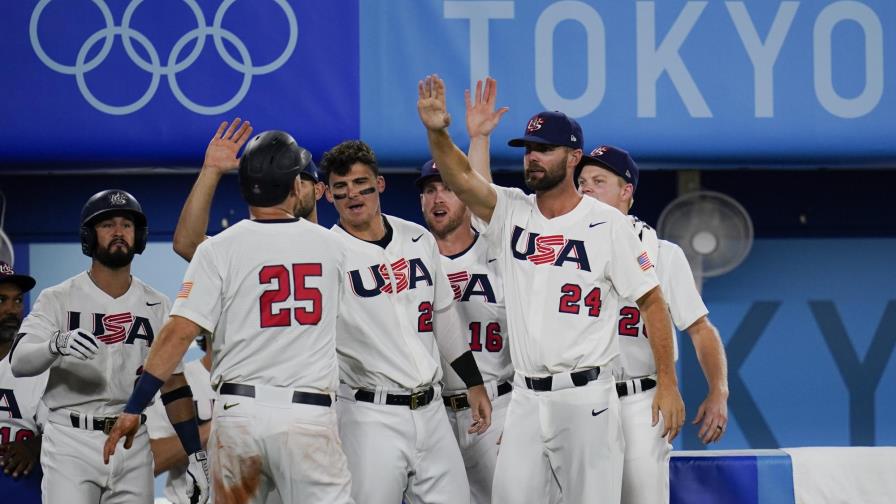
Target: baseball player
[
  {"x": 268, "y": 290},
  {"x": 567, "y": 260},
  {"x": 478, "y": 294},
  {"x": 93, "y": 332},
  {"x": 220, "y": 158},
  {"x": 20, "y": 427},
  {"x": 610, "y": 175},
  {"x": 397, "y": 320},
  {"x": 167, "y": 452}
]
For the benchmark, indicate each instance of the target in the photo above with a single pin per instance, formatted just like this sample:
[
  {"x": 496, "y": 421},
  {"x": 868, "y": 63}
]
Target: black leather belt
[
  {"x": 459, "y": 402},
  {"x": 646, "y": 384},
  {"x": 297, "y": 396},
  {"x": 413, "y": 401},
  {"x": 104, "y": 424},
  {"x": 579, "y": 379}
]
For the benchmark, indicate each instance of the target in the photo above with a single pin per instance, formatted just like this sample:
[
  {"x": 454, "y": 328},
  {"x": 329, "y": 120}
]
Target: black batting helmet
[
  {"x": 269, "y": 166},
  {"x": 107, "y": 202}
]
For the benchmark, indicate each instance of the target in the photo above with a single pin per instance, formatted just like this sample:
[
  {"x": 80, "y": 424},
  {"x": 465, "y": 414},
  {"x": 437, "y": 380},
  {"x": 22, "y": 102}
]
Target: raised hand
[
  {"x": 482, "y": 118},
  {"x": 220, "y": 155},
  {"x": 431, "y": 103}
]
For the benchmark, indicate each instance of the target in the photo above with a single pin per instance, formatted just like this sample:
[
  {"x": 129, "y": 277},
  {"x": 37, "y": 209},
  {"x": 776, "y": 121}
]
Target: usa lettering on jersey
[
  {"x": 116, "y": 327},
  {"x": 556, "y": 250},
  {"x": 465, "y": 285},
  {"x": 407, "y": 273}
]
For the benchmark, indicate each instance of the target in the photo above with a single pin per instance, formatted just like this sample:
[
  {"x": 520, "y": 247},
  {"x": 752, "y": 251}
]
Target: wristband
[
  {"x": 465, "y": 367},
  {"x": 188, "y": 433},
  {"x": 144, "y": 391}
]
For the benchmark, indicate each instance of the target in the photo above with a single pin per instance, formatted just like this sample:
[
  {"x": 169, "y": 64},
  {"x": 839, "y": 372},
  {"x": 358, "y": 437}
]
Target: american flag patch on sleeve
[
  {"x": 184, "y": 291},
  {"x": 644, "y": 261}
]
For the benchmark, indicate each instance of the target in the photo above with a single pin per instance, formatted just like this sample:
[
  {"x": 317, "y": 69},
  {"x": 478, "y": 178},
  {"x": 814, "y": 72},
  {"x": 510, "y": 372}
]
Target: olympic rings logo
[{"x": 153, "y": 66}]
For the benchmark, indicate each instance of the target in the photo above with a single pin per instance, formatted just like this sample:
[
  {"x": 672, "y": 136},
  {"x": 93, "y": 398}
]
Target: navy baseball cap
[
  {"x": 310, "y": 170},
  {"x": 551, "y": 128},
  {"x": 24, "y": 282},
  {"x": 428, "y": 172},
  {"x": 614, "y": 159}
]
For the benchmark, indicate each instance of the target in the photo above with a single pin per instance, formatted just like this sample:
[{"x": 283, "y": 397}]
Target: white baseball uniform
[
  {"x": 269, "y": 292},
  {"x": 81, "y": 394},
  {"x": 646, "y": 469},
  {"x": 563, "y": 278},
  {"x": 388, "y": 350},
  {"x": 479, "y": 297},
  {"x": 159, "y": 426},
  {"x": 22, "y": 416}
]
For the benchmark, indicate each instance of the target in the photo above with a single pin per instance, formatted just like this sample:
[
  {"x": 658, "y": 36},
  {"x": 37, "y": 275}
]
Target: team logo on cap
[
  {"x": 600, "y": 151},
  {"x": 118, "y": 198},
  {"x": 6, "y": 269},
  {"x": 534, "y": 124}
]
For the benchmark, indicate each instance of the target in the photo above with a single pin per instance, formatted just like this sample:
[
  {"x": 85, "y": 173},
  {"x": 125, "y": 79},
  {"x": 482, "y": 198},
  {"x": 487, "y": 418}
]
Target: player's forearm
[
  {"x": 448, "y": 331},
  {"x": 711, "y": 355},
  {"x": 168, "y": 452},
  {"x": 656, "y": 317},
  {"x": 456, "y": 172},
  {"x": 178, "y": 399},
  {"x": 170, "y": 346},
  {"x": 30, "y": 357},
  {"x": 479, "y": 156},
  {"x": 192, "y": 225}
]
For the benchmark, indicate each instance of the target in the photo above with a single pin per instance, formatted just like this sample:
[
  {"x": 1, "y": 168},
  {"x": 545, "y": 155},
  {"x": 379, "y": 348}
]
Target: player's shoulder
[
  {"x": 403, "y": 230},
  {"x": 671, "y": 252},
  {"x": 79, "y": 281},
  {"x": 596, "y": 209},
  {"x": 402, "y": 225},
  {"x": 148, "y": 291},
  {"x": 514, "y": 195}
]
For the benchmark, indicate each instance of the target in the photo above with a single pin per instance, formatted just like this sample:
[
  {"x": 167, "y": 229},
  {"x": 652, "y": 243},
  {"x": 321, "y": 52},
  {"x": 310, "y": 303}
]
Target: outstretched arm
[
  {"x": 482, "y": 118},
  {"x": 220, "y": 158},
  {"x": 469, "y": 186},
  {"x": 166, "y": 352}
]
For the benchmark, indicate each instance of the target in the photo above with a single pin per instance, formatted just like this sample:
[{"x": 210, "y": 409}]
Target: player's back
[{"x": 274, "y": 317}]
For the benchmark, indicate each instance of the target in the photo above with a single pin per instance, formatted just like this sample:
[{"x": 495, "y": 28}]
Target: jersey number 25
[{"x": 286, "y": 289}]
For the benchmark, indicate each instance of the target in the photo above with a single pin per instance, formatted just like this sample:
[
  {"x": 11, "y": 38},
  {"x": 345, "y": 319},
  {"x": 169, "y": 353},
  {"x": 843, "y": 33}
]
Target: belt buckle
[
  {"x": 455, "y": 400},
  {"x": 417, "y": 400},
  {"x": 108, "y": 423}
]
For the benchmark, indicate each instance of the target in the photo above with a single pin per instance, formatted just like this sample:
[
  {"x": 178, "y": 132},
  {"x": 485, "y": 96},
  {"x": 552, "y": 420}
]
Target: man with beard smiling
[
  {"x": 479, "y": 297},
  {"x": 20, "y": 437},
  {"x": 93, "y": 333},
  {"x": 566, "y": 262},
  {"x": 220, "y": 158}
]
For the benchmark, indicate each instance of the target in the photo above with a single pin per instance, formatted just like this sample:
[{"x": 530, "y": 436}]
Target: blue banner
[
  {"x": 678, "y": 83},
  {"x": 113, "y": 83},
  {"x": 714, "y": 83}
]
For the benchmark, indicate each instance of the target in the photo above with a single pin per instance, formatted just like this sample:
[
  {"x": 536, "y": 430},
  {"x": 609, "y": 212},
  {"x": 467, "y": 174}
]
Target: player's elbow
[
  {"x": 651, "y": 298},
  {"x": 184, "y": 247}
]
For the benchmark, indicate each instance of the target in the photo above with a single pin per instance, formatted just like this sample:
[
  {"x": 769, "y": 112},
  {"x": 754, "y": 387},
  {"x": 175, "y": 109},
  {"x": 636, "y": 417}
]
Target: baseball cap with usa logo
[
  {"x": 24, "y": 282},
  {"x": 428, "y": 172},
  {"x": 614, "y": 159},
  {"x": 551, "y": 128}
]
